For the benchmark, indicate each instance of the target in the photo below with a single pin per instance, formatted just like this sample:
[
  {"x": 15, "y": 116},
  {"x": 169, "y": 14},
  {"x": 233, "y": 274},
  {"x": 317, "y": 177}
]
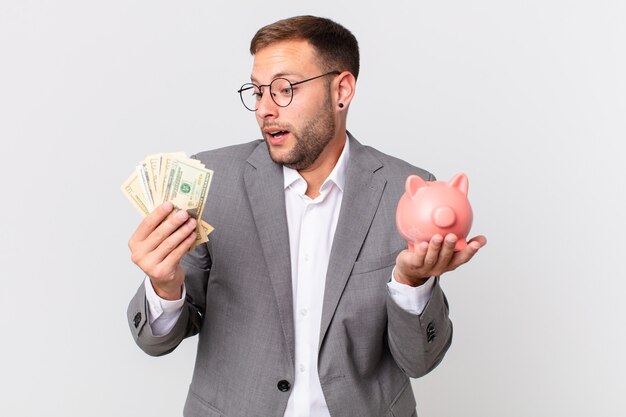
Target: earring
[{"x": 341, "y": 105}]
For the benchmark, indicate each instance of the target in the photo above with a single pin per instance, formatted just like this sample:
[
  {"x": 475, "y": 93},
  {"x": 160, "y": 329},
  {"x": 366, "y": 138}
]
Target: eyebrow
[{"x": 278, "y": 75}]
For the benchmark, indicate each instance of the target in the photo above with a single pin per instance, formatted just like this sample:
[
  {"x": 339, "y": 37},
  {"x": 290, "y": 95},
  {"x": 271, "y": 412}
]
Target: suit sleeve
[
  {"x": 419, "y": 342},
  {"x": 196, "y": 265}
]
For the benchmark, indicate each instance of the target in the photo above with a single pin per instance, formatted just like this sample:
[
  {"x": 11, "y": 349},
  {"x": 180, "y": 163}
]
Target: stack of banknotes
[{"x": 171, "y": 177}]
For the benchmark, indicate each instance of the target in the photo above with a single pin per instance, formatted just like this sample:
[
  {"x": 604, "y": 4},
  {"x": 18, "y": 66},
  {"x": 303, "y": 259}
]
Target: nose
[{"x": 267, "y": 108}]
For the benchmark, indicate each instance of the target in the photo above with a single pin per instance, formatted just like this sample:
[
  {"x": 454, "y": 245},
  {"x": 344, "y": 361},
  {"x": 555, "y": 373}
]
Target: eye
[
  {"x": 257, "y": 93},
  {"x": 286, "y": 91}
]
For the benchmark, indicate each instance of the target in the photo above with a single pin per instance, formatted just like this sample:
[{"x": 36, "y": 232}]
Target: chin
[
  {"x": 279, "y": 156},
  {"x": 284, "y": 159}
]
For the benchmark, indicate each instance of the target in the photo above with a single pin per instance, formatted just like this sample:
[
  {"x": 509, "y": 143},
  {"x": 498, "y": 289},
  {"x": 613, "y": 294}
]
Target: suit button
[
  {"x": 431, "y": 332},
  {"x": 283, "y": 385},
  {"x": 137, "y": 319}
]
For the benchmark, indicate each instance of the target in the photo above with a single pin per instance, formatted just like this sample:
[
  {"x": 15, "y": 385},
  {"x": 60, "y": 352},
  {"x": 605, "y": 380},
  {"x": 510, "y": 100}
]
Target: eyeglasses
[{"x": 281, "y": 91}]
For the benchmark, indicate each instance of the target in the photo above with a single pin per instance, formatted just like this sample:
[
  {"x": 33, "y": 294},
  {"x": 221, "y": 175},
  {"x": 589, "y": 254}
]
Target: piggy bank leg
[{"x": 460, "y": 245}]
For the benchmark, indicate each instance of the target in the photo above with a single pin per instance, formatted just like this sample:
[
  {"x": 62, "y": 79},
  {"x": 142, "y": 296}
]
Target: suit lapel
[
  {"x": 363, "y": 190},
  {"x": 265, "y": 187}
]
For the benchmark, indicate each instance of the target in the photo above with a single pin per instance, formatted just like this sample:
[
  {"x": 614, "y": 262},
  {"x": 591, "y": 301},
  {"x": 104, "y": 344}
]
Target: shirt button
[
  {"x": 302, "y": 368},
  {"x": 303, "y": 312},
  {"x": 306, "y": 257},
  {"x": 283, "y": 385}
]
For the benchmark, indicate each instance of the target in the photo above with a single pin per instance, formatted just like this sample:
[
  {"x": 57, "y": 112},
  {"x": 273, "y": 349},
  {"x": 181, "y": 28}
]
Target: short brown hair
[{"x": 337, "y": 47}]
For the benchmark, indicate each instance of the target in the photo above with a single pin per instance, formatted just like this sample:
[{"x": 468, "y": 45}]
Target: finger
[
  {"x": 447, "y": 251},
  {"x": 152, "y": 221},
  {"x": 172, "y": 242},
  {"x": 422, "y": 249},
  {"x": 410, "y": 262},
  {"x": 152, "y": 263},
  {"x": 408, "y": 259},
  {"x": 464, "y": 255},
  {"x": 176, "y": 255},
  {"x": 478, "y": 241},
  {"x": 416, "y": 257},
  {"x": 432, "y": 255},
  {"x": 169, "y": 226}
]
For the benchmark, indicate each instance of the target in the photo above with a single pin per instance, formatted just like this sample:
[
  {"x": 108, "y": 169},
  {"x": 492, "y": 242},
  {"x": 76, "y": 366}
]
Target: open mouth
[{"x": 277, "y": 134}]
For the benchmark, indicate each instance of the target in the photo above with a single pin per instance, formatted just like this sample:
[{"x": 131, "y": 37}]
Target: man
[{"x": 298, "y": 306}]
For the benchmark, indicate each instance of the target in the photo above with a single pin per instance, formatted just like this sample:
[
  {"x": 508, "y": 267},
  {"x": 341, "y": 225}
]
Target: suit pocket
[
  {"x": 195, "y": 406},
  {"x": 363, "y": 266}
]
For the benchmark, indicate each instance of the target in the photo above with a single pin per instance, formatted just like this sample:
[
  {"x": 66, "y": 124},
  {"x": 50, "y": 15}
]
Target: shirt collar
[{"x": 337, "y": 176}]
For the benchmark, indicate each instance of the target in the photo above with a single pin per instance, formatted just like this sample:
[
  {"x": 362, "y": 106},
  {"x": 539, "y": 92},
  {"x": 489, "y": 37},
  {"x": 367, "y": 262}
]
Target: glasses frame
[{"x": 248, "y": 86}]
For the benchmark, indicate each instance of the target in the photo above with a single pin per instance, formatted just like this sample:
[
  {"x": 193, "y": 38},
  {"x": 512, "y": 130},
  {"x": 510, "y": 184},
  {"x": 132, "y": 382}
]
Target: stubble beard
[{"x": 311, "y": 140}]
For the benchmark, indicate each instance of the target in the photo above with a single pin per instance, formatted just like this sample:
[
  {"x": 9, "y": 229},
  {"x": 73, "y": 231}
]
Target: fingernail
[
  {"x": 182, "y": 215},
  {"x": 475, "y": 245},
  {"x": 193, "y": 223},
  {"x": 167, "y": 206}
]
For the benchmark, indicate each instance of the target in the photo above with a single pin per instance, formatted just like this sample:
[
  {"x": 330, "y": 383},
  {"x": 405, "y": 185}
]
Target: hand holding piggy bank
[{"x": 437, "y": 207}]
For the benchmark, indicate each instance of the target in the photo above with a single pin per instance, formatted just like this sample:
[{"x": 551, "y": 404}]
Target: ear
[
  {"x": 460, "y": 181},
  {"x": 413, "y": 184},
  {"x": 346, "y": 84}
]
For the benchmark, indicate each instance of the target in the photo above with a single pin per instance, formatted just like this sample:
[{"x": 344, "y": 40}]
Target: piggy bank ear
[
  {"x": 460, "y": 181},
  {"x": 414, "y": 183}
]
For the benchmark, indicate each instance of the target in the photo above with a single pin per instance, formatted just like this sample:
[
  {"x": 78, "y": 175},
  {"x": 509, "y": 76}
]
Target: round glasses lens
[
  {"x": 250, "y": 96},
  {"x": 282, "y": 92}
]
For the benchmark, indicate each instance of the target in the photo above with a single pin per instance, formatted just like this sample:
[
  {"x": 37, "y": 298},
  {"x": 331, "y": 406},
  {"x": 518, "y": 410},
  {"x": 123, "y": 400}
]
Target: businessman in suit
[{"x": 305, "y": 299}]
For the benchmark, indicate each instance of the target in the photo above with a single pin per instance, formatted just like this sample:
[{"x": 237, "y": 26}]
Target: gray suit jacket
[{"x": 239, "y": 296}]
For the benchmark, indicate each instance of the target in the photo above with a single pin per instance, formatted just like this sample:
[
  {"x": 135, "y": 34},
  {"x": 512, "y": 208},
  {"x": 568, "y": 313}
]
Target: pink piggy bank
[{"x": 428, "y": 208}]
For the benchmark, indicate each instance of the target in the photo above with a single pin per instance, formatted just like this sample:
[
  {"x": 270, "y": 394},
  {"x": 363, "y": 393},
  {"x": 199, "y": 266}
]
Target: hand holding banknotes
[
  {"x": 170, "y": 191},
  {"x": 159, "y": 243}
]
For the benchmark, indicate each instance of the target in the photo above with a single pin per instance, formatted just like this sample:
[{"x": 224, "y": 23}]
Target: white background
[{"x": 526, "y": 97}]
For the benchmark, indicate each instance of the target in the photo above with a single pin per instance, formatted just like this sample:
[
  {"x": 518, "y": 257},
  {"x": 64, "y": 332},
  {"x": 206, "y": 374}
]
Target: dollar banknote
[{"x": 171, "y": 177}]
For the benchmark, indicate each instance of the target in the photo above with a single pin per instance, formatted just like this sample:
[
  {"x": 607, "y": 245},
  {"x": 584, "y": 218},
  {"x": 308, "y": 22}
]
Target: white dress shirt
[{"x": 312, "y": 224}]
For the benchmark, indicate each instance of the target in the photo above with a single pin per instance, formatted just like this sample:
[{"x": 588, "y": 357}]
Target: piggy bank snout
[{"x": 443, "y": 217}]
